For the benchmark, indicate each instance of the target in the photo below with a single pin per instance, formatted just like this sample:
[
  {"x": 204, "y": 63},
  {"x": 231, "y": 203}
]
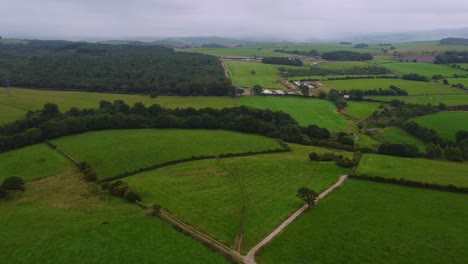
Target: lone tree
[
  {"x": 307, "y": 195},
  {"x": 257, "y": 89}
]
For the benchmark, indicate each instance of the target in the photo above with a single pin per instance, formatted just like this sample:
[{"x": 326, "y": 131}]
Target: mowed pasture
[
  {"x": 112, "y": 152},
  {"x": 367, "y": 222},
  {"x": 32, "y": 162},
  {"x": 16, "y": 102},
  {"x": 245, "y": 195},
  {"x": 361, "y": 109},
  {"x": 425, "y": 69},
  {"x": 266, "y": 75},
  {"x": 306, "y": 111},
  {"x": 450, "y": 100},
  {"x": 420, "y": 170},
  {"x": 63, "y": 219},
  {"x": 412, "y": 87},
  {"x": 447, "y": 124}
]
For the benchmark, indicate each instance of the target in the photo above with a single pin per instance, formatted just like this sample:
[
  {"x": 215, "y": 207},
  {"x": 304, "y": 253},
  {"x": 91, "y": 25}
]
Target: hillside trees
[
  {"x": 346, "y": 56},
  {"x": 282, "y": 61}
]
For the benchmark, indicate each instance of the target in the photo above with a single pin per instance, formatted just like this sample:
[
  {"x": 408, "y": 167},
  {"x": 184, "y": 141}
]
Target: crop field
[
  {"x": 112, "y": 152},
  {"x": 367, "y": 222},
  {"x": 15, "y": 103},
  {"x": 247, "y": 52},
  {"x": 266, "y": 75},
  {"x": 447, "y": 124},
  {"x": 32, "y": 162},
  {"x": 396, "y": 135},
  {"x": 60, "y": 219},
  {"x": 222, "y": 197},
  {"x": 361, "y": 109},
  {"x": 421, "y": 170},
  {"x": 412, "y": 87},
  {"x": 450, "y": 100},
  {"x": 305, "y": 111},
  {"x": 340, "y": 65},
  {"x": 425, "y": 69}
]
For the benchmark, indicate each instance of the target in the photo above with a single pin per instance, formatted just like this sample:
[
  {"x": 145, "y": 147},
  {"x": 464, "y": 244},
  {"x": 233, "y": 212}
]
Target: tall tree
[{"x": 307, "y": 195}]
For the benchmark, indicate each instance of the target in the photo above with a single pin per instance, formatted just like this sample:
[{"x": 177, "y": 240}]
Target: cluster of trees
[
  {"x": 371, "y": 70},
  {"x": 88, "y": 173},
  {"x": 358, "y": 95},
  {"x": 312, "y": 53},
  {"x": 335, "y": 97},
  {"x": 282, "y": 61},
  {"x": 346, "y": 43},
  {"x": 361, "y": 46},
  {"x": 13, "y": 183},
  {"x": 415, "y": 77},
  {"x": 113, "y": 68},
  {"x": 402, "y": 150},
  {"x": 454, "y": 41},
  {"x": 339, "y": 159},
  {"x": 346, "y": 56},
  {"x": 121, "y": 189},
  {"x": 452, "y": 57}
]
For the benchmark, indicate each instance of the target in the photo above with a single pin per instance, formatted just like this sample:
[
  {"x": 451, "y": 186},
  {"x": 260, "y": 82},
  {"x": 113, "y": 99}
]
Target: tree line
[
  {"x": 312, "y": 53},
  {"x": 452, "y": 57},
  {"x": 282, "y": 61},
  {"x": 371, "y": 70},
  {"x": 112, "y": 68},
  {"x": 343, "y": 55}
]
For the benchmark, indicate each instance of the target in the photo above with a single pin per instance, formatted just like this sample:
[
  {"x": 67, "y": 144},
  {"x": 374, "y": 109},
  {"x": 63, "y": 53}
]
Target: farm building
[
  {"x": 267, "y": 92},
  {"x": 279, "y": 92}
]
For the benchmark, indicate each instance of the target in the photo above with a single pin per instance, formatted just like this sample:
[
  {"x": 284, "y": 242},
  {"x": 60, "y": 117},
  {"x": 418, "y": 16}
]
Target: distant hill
[{"x": 454, "y": 41}]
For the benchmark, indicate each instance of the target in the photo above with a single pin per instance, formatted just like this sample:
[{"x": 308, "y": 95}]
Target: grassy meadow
[
  {"x": 14, "y": 104},
  {"x": 447, "y": 124},
  {"x": 112, "y": 152},
  {"x": 420, "y": 170},
  {"x": 340, "y": 65},
  {"x": 266, "y": 75},
  {"x": 367, "y": 222},
  {"x": 412, "y": 87},
  {"x": 396, "y": 135},
  {"x": 222, "y": 197},
  {"x": 450, "y": 100},
  {"x": 305, "y": 111},
  {"x": 425, "y": 69},
  {"x": 32, "y": 162},
  {"x": 361, "y": 109},
  {"x": 62, "y": 219}
]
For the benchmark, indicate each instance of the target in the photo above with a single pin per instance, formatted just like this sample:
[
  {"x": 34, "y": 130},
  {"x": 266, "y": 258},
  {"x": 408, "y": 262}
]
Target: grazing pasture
[
  {"x": 306, "y": 111},
  {"x": 15, "y": 103},
  {"x": 361, "y": 109},
  {"x": 420, "y": 170},
  {"x": 456, "y": 81},
  {"x": 341, "y": 65},
  {"x": 396, "y": 135},
  {"x": 447, "y": 124},
  {"x": 412, "y": 87},
  {"x": 425, "y": 69},
  {"x": 249, "y": 195},
  {"x": 450, "y": 100},
  {"x": 32, "y": 162},
  {"x": 112, "y": 152},
  {"x": 367, "y": 222},
  {"x": 62, "y": 219},
  {"x": 266, "y": 75}
]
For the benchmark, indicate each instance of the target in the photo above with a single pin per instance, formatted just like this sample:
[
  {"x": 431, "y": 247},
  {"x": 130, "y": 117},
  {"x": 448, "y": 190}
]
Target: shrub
[
  {"x": 120, "y": 190},
  {"x": 3, "y": 193},
  {"x": 91, "y": 176},
  {"x": 132, "y": 196},
  {"x": 83, "y": 165},
  {"x": 345, "y": 162},
  {"x": 314, "y": 156},
  {"x": 13, "y": 183},
  {"x": 105, "y": 185}
]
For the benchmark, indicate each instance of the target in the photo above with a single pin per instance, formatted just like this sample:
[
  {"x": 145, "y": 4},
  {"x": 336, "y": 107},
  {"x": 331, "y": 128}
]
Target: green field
[
  {"x": 244, "y": 52},
  {"x": 450, "y": 100},
  {"x": 426, "y": 69},
  {"x": 59, "y": 219},
  {"x": 340, "y": 65},
  {"x": 221, "y": 197},
  {"x": 266, "y": 75},
  {"x": 305, "y": 111},
  {"x": 396, "y": 135},
  {"x": 447, "y": 124},
  {"x": 14, "y": 104},
  {"x": 32, "y": 162},
  {"x": 421, "y": 170},
  {"x": 361, "y": 109},
  {"x": 112, "y": 152},
  {"x": 455, "y": 81},
  {"x": 323, "y": 47},
  {"x": 367, "y": 222},
  {"x": 412, "y": 87}
]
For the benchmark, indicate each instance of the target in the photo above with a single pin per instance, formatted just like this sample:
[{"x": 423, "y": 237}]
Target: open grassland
[
  {"x": 425, "y": 69},
  {"x": 366, "y": 141},
  {"x": 266, "y": 75},
  {"x": 396, "y": 135},
  {"x": 333, "y": 77},
  {"x": 420, "y": 170},
  {"x": 305, "y": 111},
  {"x": 61, "y": 219},
  {"x": 361, "y": 109},
  {"x": 455, "y": 81},
  {"x": 341, "y": 65},
  {"x": 450, "y": 100},
  {"x": 412, "y": 87},
  {"x": 367, "y": 222},
  {"x": 112, "y": 152},
  {"x": 223, "y": 197},
  {"x": 32, "y": 162},
  {"x": 447, "y": 124},
  {"x": 244, "y": 52},
  {"x": 15, "y": 103}
]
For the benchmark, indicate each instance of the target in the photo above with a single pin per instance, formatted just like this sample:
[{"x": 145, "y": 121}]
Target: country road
[{"x": 250, "y": 257}]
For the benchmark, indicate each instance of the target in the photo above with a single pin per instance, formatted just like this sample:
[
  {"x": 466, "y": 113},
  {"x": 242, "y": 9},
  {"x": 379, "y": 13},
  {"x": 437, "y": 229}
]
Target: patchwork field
[
  {"x": 421, "y": 170},
  {"x": 339, "y": 65},
  {"x": 266, "y": 75},
  {"x": 112, "y": 152},
  {"x": 426, "y": 69},
  {"x": 14, "y": 104},
  {"x": 305, "y": 111},
  {"x": 397, "y": 135},
  {"x": 246, "y": 52},
  {"x": 450, "y": 100},
  {"x": 361, "y": 109},
  {"x": 61, "y": 219},
  {"x": 223, "y": 197},
  {"x": 32, "y": 162},
  {"x": 367, "y": 222},
  {"x": 325, "y": 47},
  {"x": 412, "y": 87},
  {"x": 447, "y": 124},
  {"x": 332, "y": 77}
]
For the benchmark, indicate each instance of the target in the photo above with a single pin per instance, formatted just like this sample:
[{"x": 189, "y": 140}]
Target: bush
[
  {"x": 132, "y": 196},
  {"x": 90, "y": 176},
  {"x": 83, "y": 165},
  {"x": 13, "y": 183},
  {"x": 314, "y": 156},
  {"x": 347, "y": 140},
  {"x": 105, "y": 185},
  {"x": 345, "y": 162},
  {"x": 120, "y": 190},
  {"x": 3, "y": 193}
]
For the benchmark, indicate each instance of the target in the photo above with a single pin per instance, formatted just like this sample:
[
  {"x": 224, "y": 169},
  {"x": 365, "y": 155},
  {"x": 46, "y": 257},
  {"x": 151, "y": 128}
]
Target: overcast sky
[{"x": 292, "y": 19}]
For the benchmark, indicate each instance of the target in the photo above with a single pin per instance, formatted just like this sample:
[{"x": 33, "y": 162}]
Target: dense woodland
[
  {"x": 454, "y": 41},
  {"x": 346, "y": 56},
  {"x": 282, "y": 61},
  {"x": 452, "y": 57},
  {"x": 112, "y": 68}
]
